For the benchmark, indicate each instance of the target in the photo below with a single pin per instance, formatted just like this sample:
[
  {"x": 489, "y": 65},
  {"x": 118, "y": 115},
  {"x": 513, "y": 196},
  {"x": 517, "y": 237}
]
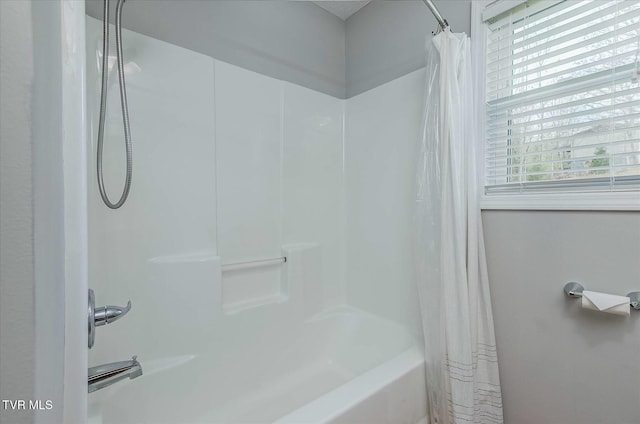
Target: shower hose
[{"x": 123, "y": 102}]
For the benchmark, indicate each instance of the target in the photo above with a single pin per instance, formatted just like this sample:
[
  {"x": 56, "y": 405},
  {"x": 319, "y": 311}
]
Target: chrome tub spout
[{"x": 108, "y": 374}]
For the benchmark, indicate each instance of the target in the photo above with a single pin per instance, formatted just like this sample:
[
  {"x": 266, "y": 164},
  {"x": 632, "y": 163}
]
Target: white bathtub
[{"x": 343, "y": 366}]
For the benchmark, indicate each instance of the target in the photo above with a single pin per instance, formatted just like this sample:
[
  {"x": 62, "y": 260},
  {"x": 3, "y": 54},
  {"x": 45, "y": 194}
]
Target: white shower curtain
[{"x": 463, "y": 383}]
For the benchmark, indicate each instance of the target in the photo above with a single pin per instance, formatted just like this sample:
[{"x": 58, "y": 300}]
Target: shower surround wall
[
  {"x": 382, "y": 133},
  {"x": 229, "y": 166},
  {"x": 233, "y": 166}
]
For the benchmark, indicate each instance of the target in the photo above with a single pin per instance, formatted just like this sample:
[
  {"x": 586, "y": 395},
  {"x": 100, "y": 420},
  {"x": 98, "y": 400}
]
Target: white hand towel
[{"x": 609, "y": 303}]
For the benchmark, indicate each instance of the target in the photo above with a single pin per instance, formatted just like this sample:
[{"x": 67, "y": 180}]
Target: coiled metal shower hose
[{"x": 123, "y": 102}]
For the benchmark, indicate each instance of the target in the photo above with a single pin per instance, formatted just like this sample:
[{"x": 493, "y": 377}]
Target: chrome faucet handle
[
  {"x": 108, "y": 314},
  {"x": 103, "y": 315}
]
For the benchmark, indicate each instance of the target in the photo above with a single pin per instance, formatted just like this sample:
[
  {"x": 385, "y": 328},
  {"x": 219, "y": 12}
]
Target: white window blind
[{"x": 563, "y": 97}]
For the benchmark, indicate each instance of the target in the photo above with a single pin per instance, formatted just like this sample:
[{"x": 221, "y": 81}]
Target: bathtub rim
[{"x": 344, "y": 398}]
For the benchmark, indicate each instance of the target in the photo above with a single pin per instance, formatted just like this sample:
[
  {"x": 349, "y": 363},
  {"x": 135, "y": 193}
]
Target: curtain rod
[{"x": 442, "y": 22}]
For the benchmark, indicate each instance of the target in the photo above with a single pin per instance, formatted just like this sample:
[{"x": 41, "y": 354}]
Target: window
[{"x": 563, "y": 97}]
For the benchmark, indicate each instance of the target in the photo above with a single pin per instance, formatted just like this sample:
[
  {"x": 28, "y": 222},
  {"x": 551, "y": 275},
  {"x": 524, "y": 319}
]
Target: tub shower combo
[{"x": 270, "y": 280}]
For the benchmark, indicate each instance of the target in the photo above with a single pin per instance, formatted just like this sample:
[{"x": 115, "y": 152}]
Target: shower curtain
[{"x": 463, "y": 384}]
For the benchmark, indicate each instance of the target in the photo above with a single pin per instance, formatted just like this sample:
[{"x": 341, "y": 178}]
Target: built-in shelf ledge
[{"x": 234, "y": 308}]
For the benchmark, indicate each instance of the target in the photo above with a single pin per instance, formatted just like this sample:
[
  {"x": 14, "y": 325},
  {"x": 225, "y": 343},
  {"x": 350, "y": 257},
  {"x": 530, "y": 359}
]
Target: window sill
[{"x": 603, "y": 201}]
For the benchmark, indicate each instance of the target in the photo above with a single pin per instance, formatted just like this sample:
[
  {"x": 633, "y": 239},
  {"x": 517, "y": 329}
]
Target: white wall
[
  {"x": 313, "y": 183},
  {"x": 279, "y": 176},
  {"x": 228, "y": 165},
  {"x": 17, "y": 321},
  {"x": 559, "y": 363},
  {"x": 382, "y": 131},
  {"x": 170, "y": 210}
]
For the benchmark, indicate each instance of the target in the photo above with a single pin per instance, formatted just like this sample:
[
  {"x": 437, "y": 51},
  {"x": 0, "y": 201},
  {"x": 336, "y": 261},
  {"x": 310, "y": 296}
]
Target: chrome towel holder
[{"x": 573, "y": 289}]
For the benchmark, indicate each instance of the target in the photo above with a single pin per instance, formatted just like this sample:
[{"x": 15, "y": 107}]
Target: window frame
[{"x": 558, "y": 200}]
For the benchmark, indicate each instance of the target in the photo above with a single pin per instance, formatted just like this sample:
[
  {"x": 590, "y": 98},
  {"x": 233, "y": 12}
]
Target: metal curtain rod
[{"x": 442, "y": 22}]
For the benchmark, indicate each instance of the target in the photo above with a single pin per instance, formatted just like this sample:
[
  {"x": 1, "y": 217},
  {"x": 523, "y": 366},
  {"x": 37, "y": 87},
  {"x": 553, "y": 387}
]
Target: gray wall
[
  {"x": 298, "y": 41},
  {"x": 559, "y": 363},
  {"x": 17, "y": 349},
  {"x": 386, "y": 39},
  {"x": 293, "y": 41}
]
